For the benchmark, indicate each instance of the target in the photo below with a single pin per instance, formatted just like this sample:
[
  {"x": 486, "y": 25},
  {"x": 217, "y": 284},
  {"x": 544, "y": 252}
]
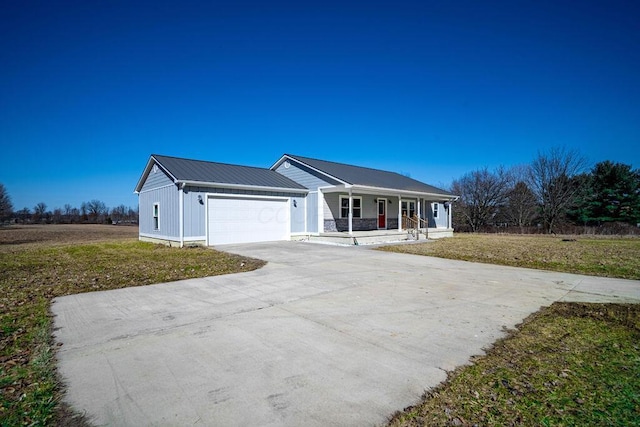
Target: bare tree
[
  {"x": 24, "y": 214},
  {"x": 83, "y": 211},
  {"x": 521, "y": 205},
  {"x": 74, "y": 215},
  {"x": 6, "y": 207},
  {"x": 551, "y": 179},
  {"x": 481, "y": 193},
  {"x": 96, "y": 209},
  {"x": 39, "y": 211},
  {"x": 67, "y": 212},
  {"x": 132, "y": 215},
  {"x": 118, "y": 213},
  {"x": 56, "y": 216}
]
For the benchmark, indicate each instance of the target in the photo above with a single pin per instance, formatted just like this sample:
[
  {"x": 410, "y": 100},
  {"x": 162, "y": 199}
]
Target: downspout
[
  {"x": 399, "y": 213},
  {"x": 181, "y": 214},
  {"x": 419, "y": 217},
  {"x": 350, "y": 213},
  {"x": 306, "y": 210}
]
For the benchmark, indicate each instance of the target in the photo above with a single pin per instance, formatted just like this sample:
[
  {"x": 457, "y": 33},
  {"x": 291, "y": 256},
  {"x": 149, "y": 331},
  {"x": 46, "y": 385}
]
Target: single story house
[{"x": 183, "y": 201}]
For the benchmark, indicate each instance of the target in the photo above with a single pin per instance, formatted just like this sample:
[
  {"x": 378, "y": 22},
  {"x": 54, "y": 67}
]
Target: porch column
[
  {"x": 449, "y": 225},
  {"x": 181, "y": 214},
  {"x": 350, "y": 212},
  {"x": 399, "y": 213},
  {"x": 418, "y": 201},
  {"x": 320, "y": 212}
]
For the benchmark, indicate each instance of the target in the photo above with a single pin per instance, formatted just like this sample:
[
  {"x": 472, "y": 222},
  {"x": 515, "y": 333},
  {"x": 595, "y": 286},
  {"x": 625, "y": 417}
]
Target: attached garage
[{"x": 246, "y": 219}]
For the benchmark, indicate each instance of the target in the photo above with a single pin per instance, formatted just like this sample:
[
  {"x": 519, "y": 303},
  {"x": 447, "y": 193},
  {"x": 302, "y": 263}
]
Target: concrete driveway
[{"x": 323, "y": 335}]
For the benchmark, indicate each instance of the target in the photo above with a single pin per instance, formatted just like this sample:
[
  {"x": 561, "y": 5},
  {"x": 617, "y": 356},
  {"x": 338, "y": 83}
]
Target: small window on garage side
[
  {"x": 344, "y": 207},
  {"x": 435, "y": 210},
  {"x": 156, "y": 216}
]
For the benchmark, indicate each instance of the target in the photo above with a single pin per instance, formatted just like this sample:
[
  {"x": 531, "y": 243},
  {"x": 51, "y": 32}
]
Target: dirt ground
[{"x": 48, "y": 234}]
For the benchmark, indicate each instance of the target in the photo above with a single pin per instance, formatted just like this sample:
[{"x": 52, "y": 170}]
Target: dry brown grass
[{"x": 597, "y": 256}]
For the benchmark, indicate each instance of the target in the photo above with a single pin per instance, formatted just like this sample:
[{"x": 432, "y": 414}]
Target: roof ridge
[
  {"x": 348, "y": 164},
  {"x": 209, "y": 161}
]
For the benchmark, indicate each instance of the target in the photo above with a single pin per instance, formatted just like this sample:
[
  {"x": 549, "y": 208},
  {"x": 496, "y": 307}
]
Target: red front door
[{"x": 382, "y": 213}]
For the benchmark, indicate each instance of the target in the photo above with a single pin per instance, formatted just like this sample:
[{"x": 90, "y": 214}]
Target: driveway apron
[{"x": 322, "y": 335}]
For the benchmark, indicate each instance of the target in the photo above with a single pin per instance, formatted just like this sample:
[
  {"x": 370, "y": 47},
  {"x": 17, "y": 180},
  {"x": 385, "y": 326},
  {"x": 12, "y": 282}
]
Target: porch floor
[
  {"x": 373, "y": 237},
  {"x": 360, "y": 237}
]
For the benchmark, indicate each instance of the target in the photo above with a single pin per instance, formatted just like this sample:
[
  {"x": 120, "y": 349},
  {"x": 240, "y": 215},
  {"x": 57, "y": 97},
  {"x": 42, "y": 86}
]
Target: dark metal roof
[
  {"x": 221, "y": 173},
  {"x": 357, "y": 175}
]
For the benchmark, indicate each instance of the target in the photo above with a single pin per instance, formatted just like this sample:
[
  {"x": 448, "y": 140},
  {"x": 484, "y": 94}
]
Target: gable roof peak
[
  {"x": 204, "y": 172},
  {"x": 367, "y": 177}
]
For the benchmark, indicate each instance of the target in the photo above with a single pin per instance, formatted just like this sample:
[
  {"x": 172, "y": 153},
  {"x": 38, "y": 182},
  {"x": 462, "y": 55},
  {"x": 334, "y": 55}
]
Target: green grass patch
[
  {"x": 606, "y": 257},
  {"x": 567, "y": 365},
  {"x": 31, "y": 275}
]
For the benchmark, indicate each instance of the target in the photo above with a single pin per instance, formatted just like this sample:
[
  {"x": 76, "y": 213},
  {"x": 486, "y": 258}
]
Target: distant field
[
  {"x": 41, "y": 262},
  {"x": 18, "y": 236},
  {"x": 596, "y": 256}
]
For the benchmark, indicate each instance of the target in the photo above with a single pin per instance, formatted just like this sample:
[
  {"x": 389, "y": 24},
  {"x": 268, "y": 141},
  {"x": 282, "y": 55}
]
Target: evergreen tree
[{"x": 614, "y": 194}]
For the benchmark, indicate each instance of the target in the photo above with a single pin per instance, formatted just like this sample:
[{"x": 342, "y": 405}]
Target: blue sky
[{"x": 433, "y": 89}]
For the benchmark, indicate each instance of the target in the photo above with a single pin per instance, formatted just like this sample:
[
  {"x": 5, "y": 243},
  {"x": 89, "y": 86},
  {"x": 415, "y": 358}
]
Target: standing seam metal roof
[
  {"x": 222, "y": 173},
  {"x": 357, "y": 175}
]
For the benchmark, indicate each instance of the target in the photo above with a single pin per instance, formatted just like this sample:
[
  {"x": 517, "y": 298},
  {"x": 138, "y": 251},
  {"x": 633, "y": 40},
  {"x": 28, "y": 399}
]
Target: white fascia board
[
  {"x": 392, "y": 192},
  {"x": 286, "y": 157},
  {"x": 144, "y": 175},
  {"x": 156, "y": 188},
  {"x": 277, "y": 163},
  {"x": 336, "y": 188},
  {"x": 244, "y": 187},
  {"x": 152, "y": 160}
]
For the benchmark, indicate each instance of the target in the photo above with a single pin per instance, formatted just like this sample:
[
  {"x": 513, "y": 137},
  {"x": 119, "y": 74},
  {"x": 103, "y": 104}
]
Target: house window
[
  {"x": 435, "y": 210},
  {"x": 156, "y": 216},
  {"x": 344, "y": 207},
  {"x": 408, "y": 208}
]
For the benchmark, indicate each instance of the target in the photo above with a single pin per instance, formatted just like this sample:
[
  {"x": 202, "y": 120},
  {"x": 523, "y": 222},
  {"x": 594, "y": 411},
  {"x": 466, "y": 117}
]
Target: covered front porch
[{"x": 350, "y": 209}]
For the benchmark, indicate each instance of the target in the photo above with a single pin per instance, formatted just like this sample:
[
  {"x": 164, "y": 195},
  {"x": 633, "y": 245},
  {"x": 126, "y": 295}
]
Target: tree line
[
  {"x": 555, "y": 193},
  {"x": 91, "y": 212}
]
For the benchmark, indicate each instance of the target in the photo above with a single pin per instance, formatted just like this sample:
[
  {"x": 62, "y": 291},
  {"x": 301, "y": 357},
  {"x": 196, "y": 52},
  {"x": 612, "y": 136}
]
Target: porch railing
[{"x": 415, "y": 226}]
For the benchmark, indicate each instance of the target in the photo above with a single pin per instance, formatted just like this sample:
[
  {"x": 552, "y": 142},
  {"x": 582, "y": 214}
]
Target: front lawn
[
  {"x": 40, "y": 263},
  {"x": 567, "y": 365},
  {"x": 596, "y": 256}
]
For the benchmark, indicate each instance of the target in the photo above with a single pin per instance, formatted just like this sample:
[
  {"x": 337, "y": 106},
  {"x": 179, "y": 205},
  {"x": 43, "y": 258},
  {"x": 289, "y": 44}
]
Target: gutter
[
  {"x": 394, "y": 192},
  {"x": 243, "y": 186}
]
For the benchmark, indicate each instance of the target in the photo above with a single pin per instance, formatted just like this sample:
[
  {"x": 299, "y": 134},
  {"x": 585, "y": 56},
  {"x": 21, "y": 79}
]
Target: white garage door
[{"x": 247, "y": 219}]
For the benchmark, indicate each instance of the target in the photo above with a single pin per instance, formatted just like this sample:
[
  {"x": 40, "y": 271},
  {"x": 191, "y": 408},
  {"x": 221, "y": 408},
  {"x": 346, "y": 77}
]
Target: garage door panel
[{"x": 245, "y": 220}]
